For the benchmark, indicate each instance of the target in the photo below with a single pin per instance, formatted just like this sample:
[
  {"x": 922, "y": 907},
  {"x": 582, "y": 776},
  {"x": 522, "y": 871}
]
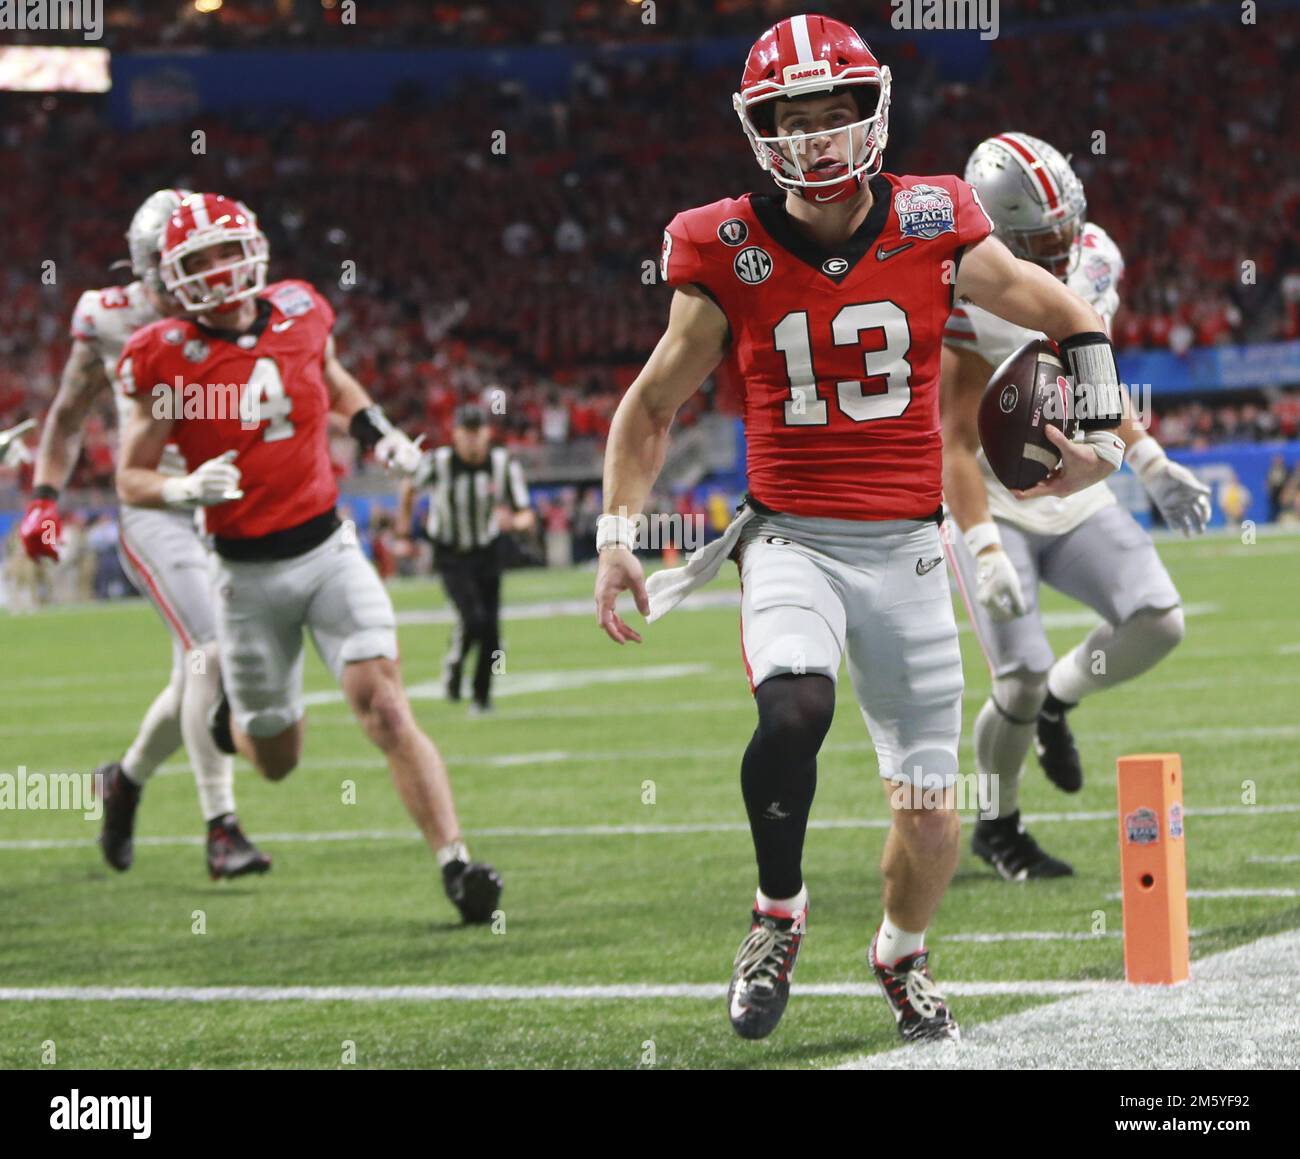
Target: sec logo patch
[{"x": 753, "y": 265}]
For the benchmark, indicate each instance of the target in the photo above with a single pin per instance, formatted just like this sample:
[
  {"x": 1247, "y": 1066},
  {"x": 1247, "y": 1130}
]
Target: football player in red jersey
[
  {"x": 161, "y": 551},
  {"x": 830, "y": 299},
  {"x": 244, "y": 387}
]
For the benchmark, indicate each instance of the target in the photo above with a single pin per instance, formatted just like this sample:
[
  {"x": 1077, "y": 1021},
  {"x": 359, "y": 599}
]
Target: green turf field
[{"x": 602, "y": 888}]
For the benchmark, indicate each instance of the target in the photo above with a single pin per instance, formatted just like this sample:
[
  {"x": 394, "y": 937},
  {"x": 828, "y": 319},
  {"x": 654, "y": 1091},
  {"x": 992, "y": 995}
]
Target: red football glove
[{"x": 41, "y": 529}]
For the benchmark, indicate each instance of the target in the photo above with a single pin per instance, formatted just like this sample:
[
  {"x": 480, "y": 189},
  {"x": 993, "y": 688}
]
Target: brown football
[{"x": 1026, "y": 393}]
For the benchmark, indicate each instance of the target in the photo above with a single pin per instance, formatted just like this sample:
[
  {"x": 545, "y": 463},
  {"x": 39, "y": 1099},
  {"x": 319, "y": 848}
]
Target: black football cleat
[
  {"x": 121, "y": 797},
  {"x": 219, "y": 725},
  {"x": 919, "y": 1009},
  {"x": 760, "y": 979},
  {"x": 1054, "y": 744},
  {"x": 230, "y": 853},
  {"x": 474, "y": 888},
  {"x": 1007, "y": 846}
]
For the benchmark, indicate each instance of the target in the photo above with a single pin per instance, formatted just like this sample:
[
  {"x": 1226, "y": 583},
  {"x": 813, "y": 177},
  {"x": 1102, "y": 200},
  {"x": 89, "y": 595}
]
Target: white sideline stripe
[
  {"x": 556, "y": 680},
  {"x": 1040, "y": 936},
  {"x": 684, "y": 828},
  {"x": 1201, "y": 1025},
  {"x": 701, "y": 752},
  {"x": 1213, "y": 894},
  {"x": 472, "y": 993},
  {"x": 1274, "y": 859}
]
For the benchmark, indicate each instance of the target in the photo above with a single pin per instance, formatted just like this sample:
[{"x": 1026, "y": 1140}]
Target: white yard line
[
  {"x": 668, "y": 829},
  {"x": 1240, "y": 1011},
  {"x": 489, "y": 993}
]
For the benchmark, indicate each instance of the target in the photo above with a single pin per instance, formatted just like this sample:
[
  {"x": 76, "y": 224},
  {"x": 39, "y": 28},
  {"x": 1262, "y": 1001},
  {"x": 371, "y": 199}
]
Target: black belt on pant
[{"x": 285, "y": 544}]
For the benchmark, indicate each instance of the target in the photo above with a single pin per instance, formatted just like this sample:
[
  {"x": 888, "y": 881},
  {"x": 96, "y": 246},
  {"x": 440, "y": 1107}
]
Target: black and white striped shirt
[{"x": 462, "y": 508}]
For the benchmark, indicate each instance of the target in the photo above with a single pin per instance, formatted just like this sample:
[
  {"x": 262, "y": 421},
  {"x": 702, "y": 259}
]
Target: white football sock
[
  {"x": 893, "y": 943},
  {"x": 1113, "y": 654},
  {"x": 781, "y": 907},
  {"x": 160, "y": 730},
  {"x": 214, "y": 772},
  {"x": 452, "y": 851}
]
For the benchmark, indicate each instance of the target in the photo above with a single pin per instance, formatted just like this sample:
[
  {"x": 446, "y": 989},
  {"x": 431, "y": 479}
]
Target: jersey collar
[
  {"x": 775, "y": 218},
  {"x": 260, "y": 322}
]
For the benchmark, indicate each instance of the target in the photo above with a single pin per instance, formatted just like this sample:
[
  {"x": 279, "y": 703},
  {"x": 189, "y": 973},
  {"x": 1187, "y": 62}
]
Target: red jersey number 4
[{"x": 264, "y": 401}]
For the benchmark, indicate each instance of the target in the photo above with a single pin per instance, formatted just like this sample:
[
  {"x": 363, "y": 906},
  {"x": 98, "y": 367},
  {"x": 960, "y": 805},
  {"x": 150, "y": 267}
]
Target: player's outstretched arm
[
  {"x": 367, "y": 422},
  {"x": 83, "y": 380},
  {"x": 1182, "y": 499},
  {"x": 690, "y": 349},
  {"x": 963, "y": 375},
  {"x": 1023, "y": 293}
]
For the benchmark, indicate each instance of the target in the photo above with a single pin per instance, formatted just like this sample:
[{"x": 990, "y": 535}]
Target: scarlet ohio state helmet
[
  {"x": 813, "y": 56},
  {"x": 203, "y": 220}
]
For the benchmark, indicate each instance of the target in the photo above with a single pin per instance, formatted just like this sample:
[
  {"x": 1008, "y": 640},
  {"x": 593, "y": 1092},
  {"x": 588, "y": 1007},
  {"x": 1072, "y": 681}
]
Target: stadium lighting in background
[
  {"x": 41, "y": 69},
  {"x": 207, "y": 5}
]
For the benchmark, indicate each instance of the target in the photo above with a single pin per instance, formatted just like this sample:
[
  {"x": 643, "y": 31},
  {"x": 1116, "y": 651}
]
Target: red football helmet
[
  {"x": 203, "y": 220},
  {"x": 812, "y": 56}
]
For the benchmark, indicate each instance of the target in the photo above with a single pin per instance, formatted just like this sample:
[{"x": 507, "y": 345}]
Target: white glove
[
  {"x": 213, "y": 482},
  {"x": 13, "y": 451},
  {"x": 1182, "y": 499},
  {"x": 997, "y": 587},
  {"x": 397, "y": 452}
]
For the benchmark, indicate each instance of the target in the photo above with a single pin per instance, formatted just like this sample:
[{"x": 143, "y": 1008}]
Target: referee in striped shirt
[{"x": 478, "y": 492}]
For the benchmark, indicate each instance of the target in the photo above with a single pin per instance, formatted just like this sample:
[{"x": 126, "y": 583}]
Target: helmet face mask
[
  {"x": 805, "y": 58},
  {"x": 201, "y": 223},
  {"x": 1056, "y": 248}
]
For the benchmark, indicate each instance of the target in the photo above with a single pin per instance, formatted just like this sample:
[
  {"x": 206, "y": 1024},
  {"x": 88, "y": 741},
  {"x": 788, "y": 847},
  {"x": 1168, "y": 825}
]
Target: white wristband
[
  {"x": 1145, "y": 454},
  {"x": 1108, "y": 445},
  {"x": 615, "y": 531},
  {"x": 981, "y": 536}
]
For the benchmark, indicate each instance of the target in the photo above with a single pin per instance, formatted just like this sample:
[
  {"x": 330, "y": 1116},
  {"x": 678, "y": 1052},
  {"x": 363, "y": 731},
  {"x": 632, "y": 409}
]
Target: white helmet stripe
[
  {"x": 200, "y": 210},
  {"x": 802, "y": 42}
]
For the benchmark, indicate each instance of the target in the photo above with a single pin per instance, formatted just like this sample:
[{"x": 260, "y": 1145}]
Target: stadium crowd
[
  {"x": 155, "y": 24},
  {"x": 530, "y": 273}
]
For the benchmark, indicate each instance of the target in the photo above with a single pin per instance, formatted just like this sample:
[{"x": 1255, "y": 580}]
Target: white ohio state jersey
[
  {"x": 104, "y": 320},
  {"x": 1095, "y": 278}
]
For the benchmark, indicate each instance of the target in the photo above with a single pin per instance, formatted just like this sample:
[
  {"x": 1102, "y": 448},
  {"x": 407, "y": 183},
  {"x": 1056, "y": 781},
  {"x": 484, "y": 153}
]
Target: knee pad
[
  {"x": 795, "y": 712},
  {"x": 928, "y": 770},
  {"x": 1161, "y": 631},
  {"x": 1019, "y": 695}
]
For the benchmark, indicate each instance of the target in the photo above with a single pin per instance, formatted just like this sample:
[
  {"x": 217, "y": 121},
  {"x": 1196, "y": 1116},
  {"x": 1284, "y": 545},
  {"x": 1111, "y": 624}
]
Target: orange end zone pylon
[{"x": 1153, "y": 866}]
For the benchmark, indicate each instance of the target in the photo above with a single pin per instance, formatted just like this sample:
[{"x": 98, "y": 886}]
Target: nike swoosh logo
[
  {"x": 925, "y": 566},
  {"x": 279, "y": 327},
  {"x": 883, "y": 255},
  {"x": 819, "y": 197}
]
